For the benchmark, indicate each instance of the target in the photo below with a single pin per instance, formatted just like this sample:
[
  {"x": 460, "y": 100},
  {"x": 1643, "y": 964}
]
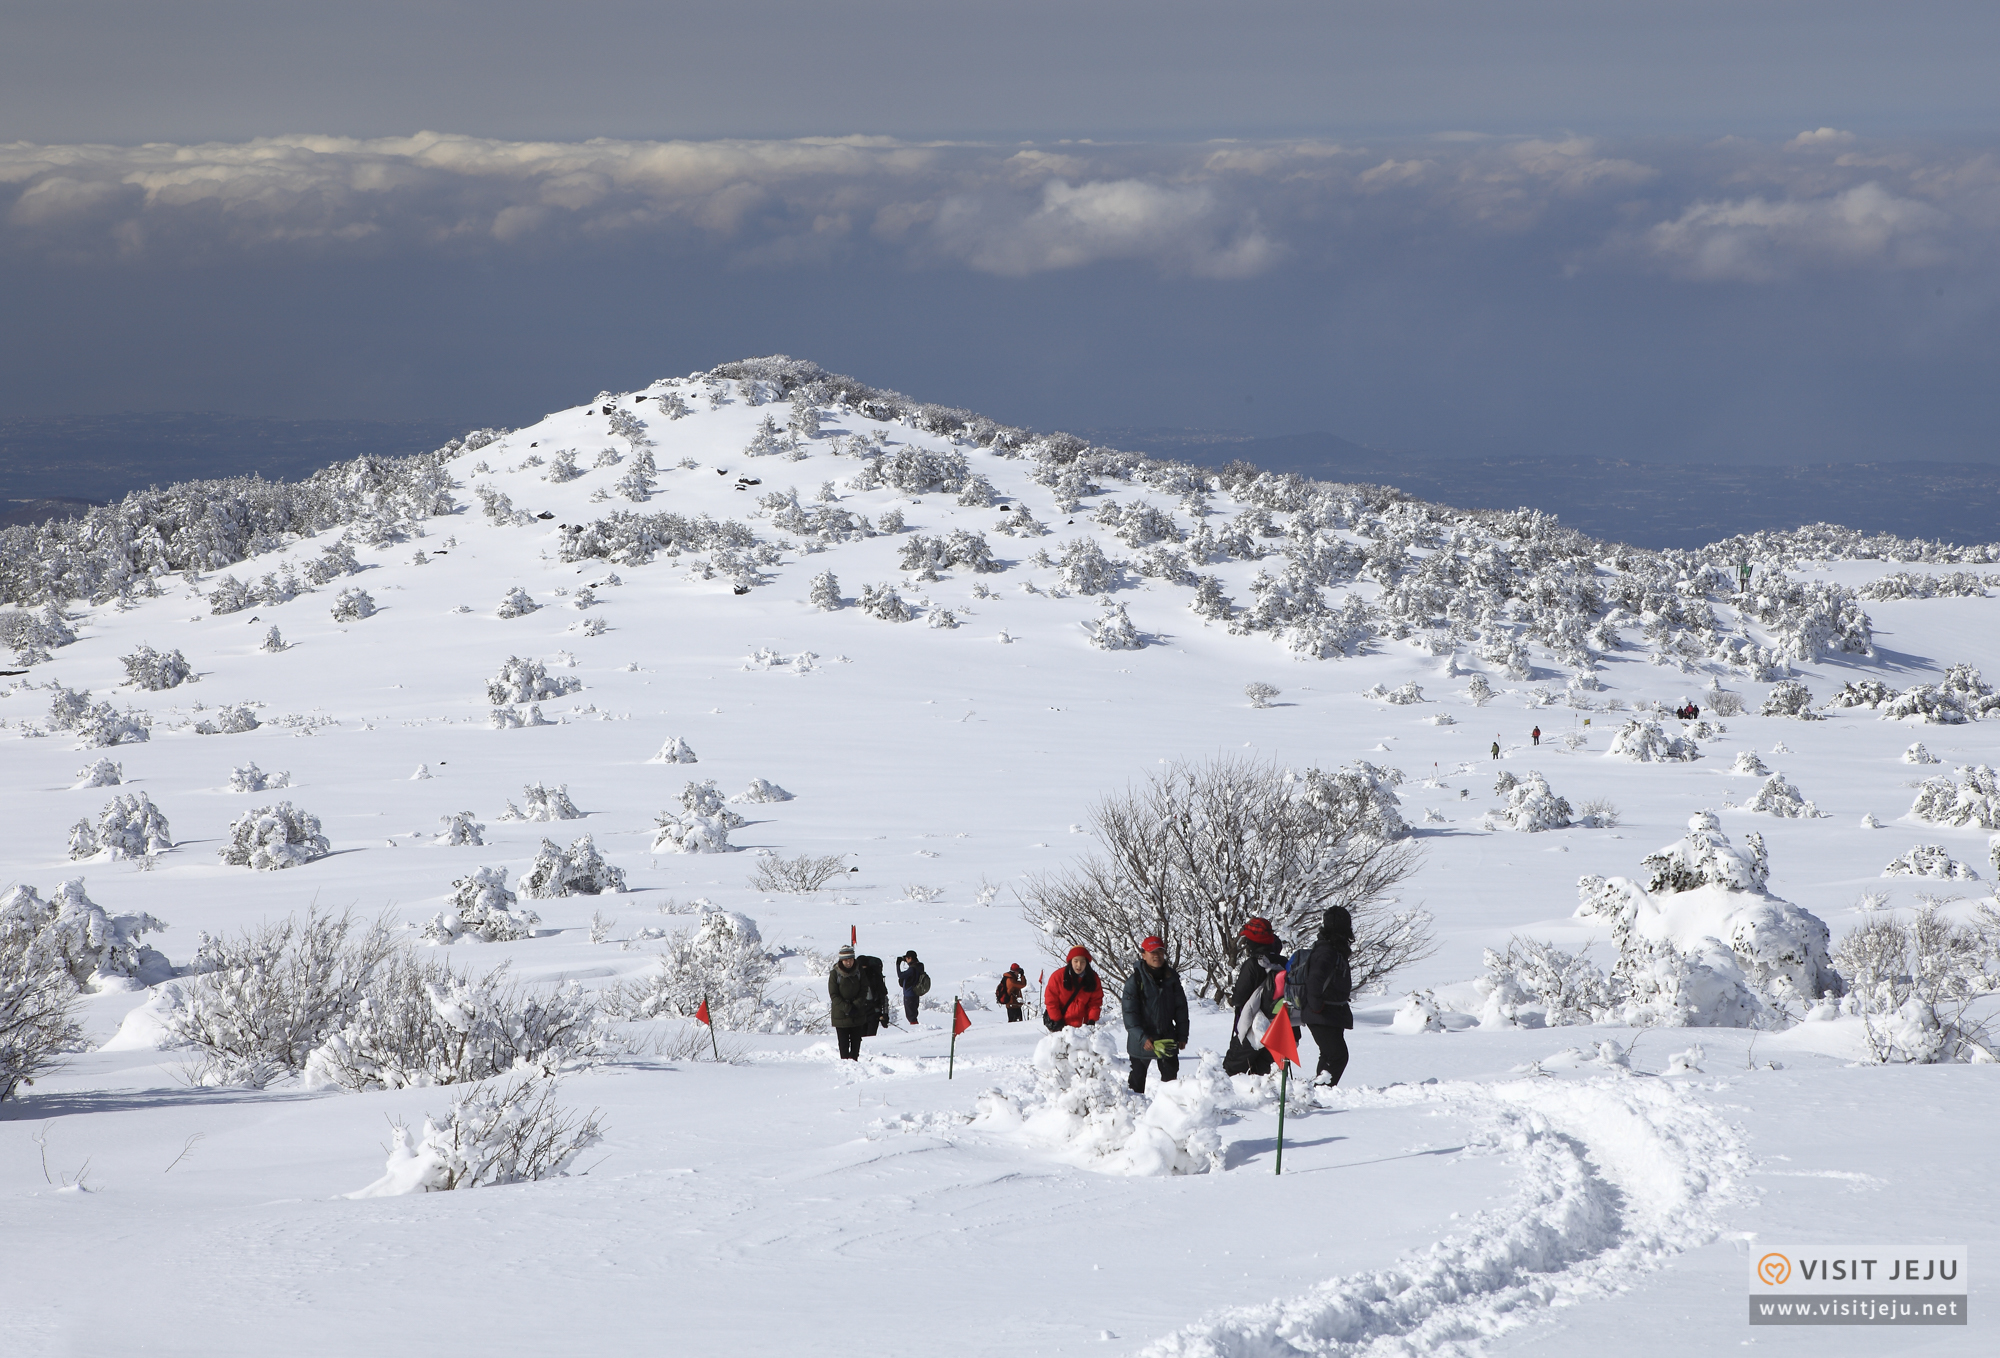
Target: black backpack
[{"x": 878, "y": 993}]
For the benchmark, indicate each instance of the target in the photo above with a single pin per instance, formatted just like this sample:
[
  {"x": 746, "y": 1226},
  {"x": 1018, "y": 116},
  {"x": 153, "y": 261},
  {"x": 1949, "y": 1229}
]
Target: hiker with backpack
[
  {"x": 1008, "y": 993},
  {"x": 857, "y": 1009},
  {"x": 1156, "y": 1015},
  {"x": 915, "y": 981},
  {"x": 1320, "y": 985},
  {"x": 1254, "y": 995},
  {"x": 1074, "y": 996}
]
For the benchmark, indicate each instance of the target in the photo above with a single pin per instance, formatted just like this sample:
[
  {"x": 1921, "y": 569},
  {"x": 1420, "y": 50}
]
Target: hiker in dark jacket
[
  {"x": 1010, "y": 990},
  {"x": 914, "y": 980},
  {"x": 1156, "y": 1015},
  {"x": 1253, "y": 995},
  {"x": 854, "y": 1009},
  {"x": 1074, "y": 996},
  {"x": 1323, "y": 993}
]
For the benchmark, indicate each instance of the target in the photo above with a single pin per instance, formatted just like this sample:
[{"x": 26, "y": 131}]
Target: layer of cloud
[{"x": 1734, "y": 211}]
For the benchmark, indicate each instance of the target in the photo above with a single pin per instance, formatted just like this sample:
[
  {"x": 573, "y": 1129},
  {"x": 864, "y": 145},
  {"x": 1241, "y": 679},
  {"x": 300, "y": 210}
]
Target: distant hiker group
[
  {"x": 1316, "y": 983},
  {"x": 1687, "y": 712}
]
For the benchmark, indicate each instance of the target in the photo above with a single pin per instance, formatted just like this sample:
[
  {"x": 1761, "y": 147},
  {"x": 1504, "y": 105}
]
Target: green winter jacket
[{"x": 848, "y": 992}]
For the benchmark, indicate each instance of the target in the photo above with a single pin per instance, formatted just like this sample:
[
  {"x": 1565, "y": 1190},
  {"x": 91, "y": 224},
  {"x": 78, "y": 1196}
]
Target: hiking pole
[{"x": 1284, "y": 1089}]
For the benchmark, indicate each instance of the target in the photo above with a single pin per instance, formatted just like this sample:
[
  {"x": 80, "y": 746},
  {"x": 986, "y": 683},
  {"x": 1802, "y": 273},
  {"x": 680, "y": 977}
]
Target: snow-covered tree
[
  {"x": 1644, "y": 741},
  {"x": 562, "y": 467},
  {"x": 1260, "y": 693},
  {"x": 352, "y": 605},
  {"x": 1789, "y": 698},
  {"x": 578, "y": 870},
  {"x": 100, "y": 773},
  {"x": 274, "y": 837},
  {"x": 1929, "y": 860},
  {"x": 1973, "y": 799},
  {"x": 1780, "y": 798},
  {"x": 1402, "y": 695},
  {"x": 1748, "y": 762},
  {"x": 230, "y": 720},
  {"x": 71, "y": 937},
  {"x": 882, "y": 601},
  {"x": 543, "y": 804},
  {"x": 1917, "y": 754},
  {"x": 461, "y": 829},
  {"x": 482, "y": 908},
  {"x": 154, "y": 670},
  {"x": 1112, "y": 630},
  {"x": 1531, "y": 806},
  {"x": 526, "y": 681},
  {"x": 516, "y": 603},
  {"x": 825, "y": 593},
  {"x": 250, "y": 778},
  {"x": 721, "y": 961},
  {"x": 129, "y": 826},
  {"x": 675, "y": 751},
  {"x": 273, "y": 642},
  {"x": 1084, "y": 568},
  {"x": 507, "y": 1131}
]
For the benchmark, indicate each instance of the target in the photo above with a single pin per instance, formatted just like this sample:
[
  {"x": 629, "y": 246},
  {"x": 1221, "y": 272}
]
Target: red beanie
[
  {"x": 1078, "y": 951},
  {"x": 1257, "y": 929}
]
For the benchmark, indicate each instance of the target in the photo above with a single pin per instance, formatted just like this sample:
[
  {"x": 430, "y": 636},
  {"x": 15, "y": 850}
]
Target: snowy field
[{"x": 1477, "y": 1184}]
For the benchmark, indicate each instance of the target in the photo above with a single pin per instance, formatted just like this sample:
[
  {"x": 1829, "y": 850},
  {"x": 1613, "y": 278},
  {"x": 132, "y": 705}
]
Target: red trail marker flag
[
  {"x": 959, "y": 1023},
  {"x": 1283, "y": 1043},
  {"x": 701, "y": 1016}
]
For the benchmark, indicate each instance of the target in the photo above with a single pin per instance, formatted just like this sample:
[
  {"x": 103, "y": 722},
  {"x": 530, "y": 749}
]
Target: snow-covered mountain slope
[{"x": 945, "y": 639}]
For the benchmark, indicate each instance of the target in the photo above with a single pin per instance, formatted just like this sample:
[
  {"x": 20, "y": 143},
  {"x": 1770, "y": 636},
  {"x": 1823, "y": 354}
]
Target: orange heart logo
[{"x": 1774, "y": 1269}]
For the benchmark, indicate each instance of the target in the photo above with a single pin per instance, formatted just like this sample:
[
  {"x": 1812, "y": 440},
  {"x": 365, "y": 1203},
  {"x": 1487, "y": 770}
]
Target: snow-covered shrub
[
  {"x": 722, "y": 961},
  {"x": 258, "y": 1004},
  {"x": 1929, "y": 860},
  {"x": 762, "y": 790},
  {"x": 506, "y": 1132},
  {"x": 420, "y": 1022},
  {"x": 929, "y": 555},
  {"x": 129, "y": 826},
  {"x": 250, "y": 778},
  {"x": 544, "y": 804},
  {"x": 233, "y": 720},
  {"x": 1084, "y": 568},
  {"x": 273, "y": 837},
  {"x": 1780, "y": 798},
  {"x": 882, "y": 601},
  {"x": 352, "y": 605},
  {"x": 516, "y": 603},
  {"x": 1703, "y": 943},
  {"x": 675, "y": 751},
  {"x": 1645, "y": 741},
  {"x": 1112, "y": 630},
  {"x": 1080, "y": 1108},
  {"x": 1928, "y": 703},
  {"x": 1209, "y": 601},
  {"x": 37, "y": 1011},
  {"x": 1478, "y": 690},
  {"x": 461, "y": 829},
  {"x": 1789, "y": 698},
  {"x": 72, "y": 937},
  {"x": 806, "y": 873},
  {"x": 578, "y": 870},
  {"x": 273, "y": 642},
  {"x": 97, "y": 725},
  {"x": 1917, "y": 754},
  {"x": 102, "y": 773},
  {"x": 1357, "y": 795},
  {"x": 1914, "y": 982},
  {"x": 1723, "y": 703},
  {"x": 1260, "y": 693},
  {"x": 941, "y": 618},
  {"x": 1566, "y": 988},
  {"x": 1402, "y": 695},
  {"x": 562, "y": 467},
  {"x": 1861, "y": 693},
  {"x": 1973, "y": 800},
  {"x": 1747, "y": 762},
  {"x": 1531, "y": 806},
  {"x": 703, "y": 799},
  {"x": 482, "y": 908},
  {"x": 825, "y": 592},
  {"x": 527, "y": 681},
  {"x": 1597, "y": 813},
  {"x": 150, "y": 669},
  {"x": 1344, "y": 630}
]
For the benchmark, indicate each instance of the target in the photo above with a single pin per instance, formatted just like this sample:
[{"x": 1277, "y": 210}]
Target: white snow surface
[{"x": 1440, "y": 1201}]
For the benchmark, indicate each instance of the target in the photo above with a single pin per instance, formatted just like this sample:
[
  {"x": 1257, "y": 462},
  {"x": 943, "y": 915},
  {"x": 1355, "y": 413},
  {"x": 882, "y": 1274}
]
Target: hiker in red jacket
[{"x": 1074, "y": 996}]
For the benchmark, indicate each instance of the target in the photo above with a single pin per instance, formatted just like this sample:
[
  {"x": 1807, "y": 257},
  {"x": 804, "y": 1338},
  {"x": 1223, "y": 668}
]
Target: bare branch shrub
[
  {"x": 1914, "y": 982},
  {"x": 37, "y": 1015},
  {"x": 1201, "y": 848},
  {"x": 265, "y": 999},
  {"x": 806, "y": 873},
  {"x": 1599, "y": 812},
  {"x": 501, "y": 1133}
]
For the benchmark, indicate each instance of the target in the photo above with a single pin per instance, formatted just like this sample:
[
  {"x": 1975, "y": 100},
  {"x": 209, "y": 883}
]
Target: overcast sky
[{"x": 1704, "y": 231}]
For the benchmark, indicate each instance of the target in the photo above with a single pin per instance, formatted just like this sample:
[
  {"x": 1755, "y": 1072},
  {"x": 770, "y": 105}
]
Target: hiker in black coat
[
  {"x": 914, "y": 980},
  {"x": 1156, "y": 1015},
  {"x": 854, "y": 1010},
  {"x": 1322, "y": 995},
  {"x": 1254, "y": 994}
]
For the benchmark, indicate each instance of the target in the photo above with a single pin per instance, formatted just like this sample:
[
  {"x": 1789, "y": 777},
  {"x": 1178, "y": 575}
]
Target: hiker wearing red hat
[
  {"x": 1008, "y": 993},
  {"x": 1074, "y": 996},
  {"x": 1254, "y": 998},
  {"x": 1156, "y": 1014}
]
